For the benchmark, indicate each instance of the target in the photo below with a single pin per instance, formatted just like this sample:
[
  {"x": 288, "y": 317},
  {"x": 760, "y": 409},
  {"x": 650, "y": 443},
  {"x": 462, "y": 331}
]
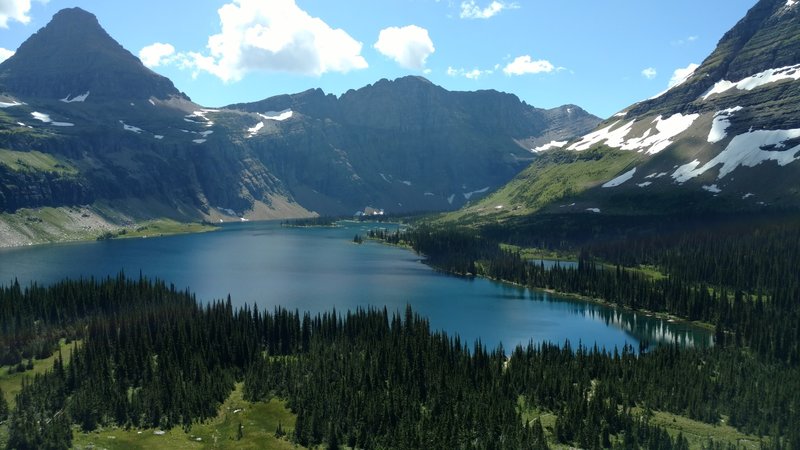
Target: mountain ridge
[
  {"x": 707, "y": 144},
  {"x": 132, "y": 140}
]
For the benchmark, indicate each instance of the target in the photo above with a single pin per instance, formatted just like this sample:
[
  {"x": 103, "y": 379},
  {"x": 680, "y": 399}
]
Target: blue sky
[{"x": 602, "y": 55}]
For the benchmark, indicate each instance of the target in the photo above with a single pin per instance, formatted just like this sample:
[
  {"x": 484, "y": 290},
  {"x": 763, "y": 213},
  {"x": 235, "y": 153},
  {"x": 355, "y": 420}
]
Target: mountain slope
[{"x": 726, "y": 138}]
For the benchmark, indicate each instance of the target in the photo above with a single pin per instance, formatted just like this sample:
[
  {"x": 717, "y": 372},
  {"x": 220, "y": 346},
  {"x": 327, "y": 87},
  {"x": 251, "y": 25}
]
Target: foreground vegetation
[{"x": 152, "y": 359}]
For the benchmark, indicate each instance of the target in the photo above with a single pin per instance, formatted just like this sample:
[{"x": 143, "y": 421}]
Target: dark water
[{"x": 316, "y": 269}]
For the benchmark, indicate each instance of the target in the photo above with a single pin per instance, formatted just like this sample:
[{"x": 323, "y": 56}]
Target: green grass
[
  {"x": 34, "y": 161},
  {"x": 12, "y": 383},
  {"x": 698, "y": 433},
  {"x": 554, "y": 177},
  {"x": 259, "y": 421},
  {"x": 539, "y": 253},
  {"x": 164, "y": 227}
]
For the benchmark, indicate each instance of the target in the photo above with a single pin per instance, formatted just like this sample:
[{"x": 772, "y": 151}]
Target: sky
[{"x": 602, "y": 55}]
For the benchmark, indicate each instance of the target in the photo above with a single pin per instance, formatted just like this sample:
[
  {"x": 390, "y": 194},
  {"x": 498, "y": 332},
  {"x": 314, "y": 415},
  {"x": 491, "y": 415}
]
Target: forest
[{"x": 145, "y": 355}]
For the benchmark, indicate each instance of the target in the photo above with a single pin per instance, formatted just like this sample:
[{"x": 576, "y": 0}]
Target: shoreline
[{"x": 597, "y": 301}]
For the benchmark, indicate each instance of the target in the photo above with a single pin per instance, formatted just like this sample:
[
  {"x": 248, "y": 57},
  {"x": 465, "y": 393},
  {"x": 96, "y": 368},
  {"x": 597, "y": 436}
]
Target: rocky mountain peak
[{"x": 73, "y": 55}]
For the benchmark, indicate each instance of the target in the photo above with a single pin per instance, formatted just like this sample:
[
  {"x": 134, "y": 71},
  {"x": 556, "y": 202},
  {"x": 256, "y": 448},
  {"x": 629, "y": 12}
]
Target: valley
[{"x": 410, "y": 261}]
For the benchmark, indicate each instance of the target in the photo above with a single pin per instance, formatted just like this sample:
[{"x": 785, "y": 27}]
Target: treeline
[
  {"x": 34, "y": 318},
  {"x": 374, "y": 379},
  {"x": 761, "y": 311}
]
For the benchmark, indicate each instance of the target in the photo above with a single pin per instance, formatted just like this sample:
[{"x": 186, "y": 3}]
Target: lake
[{"x": 317, "y": 269}]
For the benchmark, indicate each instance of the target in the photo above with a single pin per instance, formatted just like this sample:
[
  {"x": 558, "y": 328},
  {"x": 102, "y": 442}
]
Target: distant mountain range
[
  {"x": 727, "y": 138},
  {"x": 83, "y": 122}
]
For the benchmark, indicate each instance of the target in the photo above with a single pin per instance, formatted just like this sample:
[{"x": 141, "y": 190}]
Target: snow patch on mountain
[
  {"x": 468, "y": 195},
  {"x": 9, "y": 105},
  {"x": 132, "y": 128},
  {"x": 652, "y": 141},
  {"x": 199, "y": 141},
  {"x": 721, "y": 123},
  {"x": 757, "y": 80},
  {"x": 594, "y": 210},
  {"x": 612, "y": 134},
  {"x": 714, "y": 189},
  {"x": 645, "y": 184},
  {"x": 201, "y": 114},
  {"x": 42, "y": 117},
  {"x": 666, "y": 130},
  {"x": 78, "y": 98},
  {"x": 620, "y": 179},
  {"x": 254, "y": 131},
  {"x": 549, "y": 146},
  {"x": 279, "y": 116},
  {"x": 749, "y": 149}
]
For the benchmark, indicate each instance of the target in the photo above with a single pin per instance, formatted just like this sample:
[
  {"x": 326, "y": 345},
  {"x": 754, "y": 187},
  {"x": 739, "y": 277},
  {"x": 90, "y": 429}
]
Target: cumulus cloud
[
  {"x": 157, "y": 54},
  {"x": 649, "y": 73},
  {"x": 409, "y": 46},
  {"x": 473, "y": 74},
  {"x": 471, "y": 10},
  {"x": 681, "y": 75},
  {"x": 14, "y": 10},
  {"x": 273, "y": 36},
  {"x": 5, "y": 54},
  {"x": 525, "y": 64}
]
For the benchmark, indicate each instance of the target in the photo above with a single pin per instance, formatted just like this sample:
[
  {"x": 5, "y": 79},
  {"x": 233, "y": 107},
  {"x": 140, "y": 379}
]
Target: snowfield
[
  {"x": 654, "y": 139},
  {"x": 549, "y": 146},
  {"x": 620, "y": 179},
  {"x": 721, "y": 123},
  {"x": 757, "y": 80},
  {"x": 749, "y": 149},
  {"x": 42, "y": 117},
  {"x": 279, "y": 116},
  {"x": 251, "y": 132},
  {"x": 78, "y": 98}
]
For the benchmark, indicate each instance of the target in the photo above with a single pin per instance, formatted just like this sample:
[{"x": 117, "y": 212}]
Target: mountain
[
  {"x": 73, "y": 56},
  {"x": 727, "y": 138},
  {"x": 83, "y": 122},
  {"x": 403, "y": 145}
]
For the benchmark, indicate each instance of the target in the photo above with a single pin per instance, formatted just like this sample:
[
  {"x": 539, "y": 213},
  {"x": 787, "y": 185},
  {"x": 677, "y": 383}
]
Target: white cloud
[
  {"x": 681, "y": 75},
  {"x": 471, "y": 10},
  {"x": 157, "y": 54},
  {"x": 273, "y": 36},
  {"x": 649, "y": 73},
  {"x": 473, "y": 74},
  {"x": 14, "y": 10},
  {"x": 5, "y": 54},
  {"x": 687, "y": 40},
  {"x": 525, "y": 64},
  {"x": 409, "y": 46}
]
